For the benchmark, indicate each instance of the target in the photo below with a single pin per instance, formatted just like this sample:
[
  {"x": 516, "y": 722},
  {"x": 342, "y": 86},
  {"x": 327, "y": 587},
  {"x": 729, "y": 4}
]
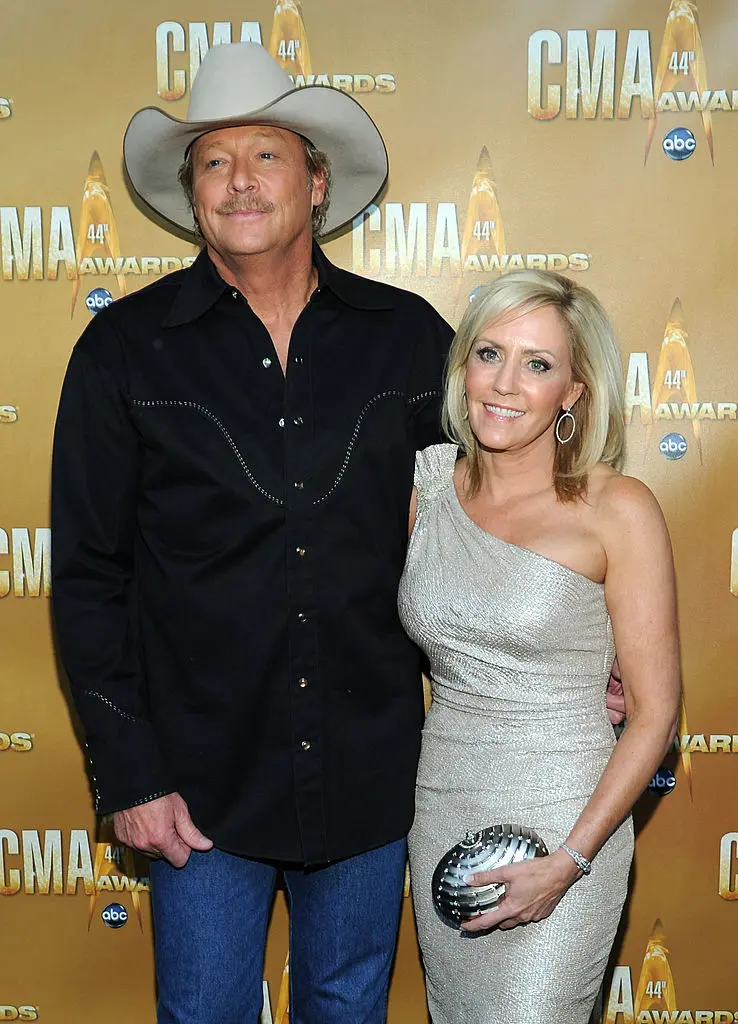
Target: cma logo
[
  {"x": 6, "y": 110},
  {"x": 728, "y": 884},
  {"x": 172, "y": 38},
  {"x": 8, "y": 414},
  {"x": 679, "y": 143},
  {"x": 16, "y": 741},
  {"x": 673, "y": 446},
  {"x": 18, "y": 1012}
]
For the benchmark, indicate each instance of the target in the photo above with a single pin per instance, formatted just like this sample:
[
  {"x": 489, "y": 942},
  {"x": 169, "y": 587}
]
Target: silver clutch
[{"x": 490, "y": 848}]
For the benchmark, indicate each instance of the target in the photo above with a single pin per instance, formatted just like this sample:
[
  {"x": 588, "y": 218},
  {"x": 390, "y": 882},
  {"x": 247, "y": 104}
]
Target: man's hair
[
  {"x": 317, "y": 164},
  {"x": 595, "y": 361}
]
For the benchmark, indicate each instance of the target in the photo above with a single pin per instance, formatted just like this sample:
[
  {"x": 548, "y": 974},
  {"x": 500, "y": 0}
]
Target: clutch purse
[{"x": 493, "y": 847}]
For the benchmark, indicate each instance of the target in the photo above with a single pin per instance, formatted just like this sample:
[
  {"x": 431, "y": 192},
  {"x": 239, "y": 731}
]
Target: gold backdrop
[{"x": 596, "y": 138}]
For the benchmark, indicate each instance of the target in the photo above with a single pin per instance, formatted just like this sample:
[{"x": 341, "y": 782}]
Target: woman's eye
[
  {"x": 488, "y": 354},
  {"x": 539, "y": 365}
]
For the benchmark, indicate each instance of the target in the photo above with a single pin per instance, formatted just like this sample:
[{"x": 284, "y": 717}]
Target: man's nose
[{"x": 242, "y": 178}]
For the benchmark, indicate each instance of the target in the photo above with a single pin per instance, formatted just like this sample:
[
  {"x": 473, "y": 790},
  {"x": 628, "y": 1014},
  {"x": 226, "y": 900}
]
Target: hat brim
[{"x": 155, "y": 144}]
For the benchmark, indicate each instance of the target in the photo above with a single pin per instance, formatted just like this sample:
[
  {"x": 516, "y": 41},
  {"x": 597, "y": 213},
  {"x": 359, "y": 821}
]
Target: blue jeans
[{"x": 210, "y": 924}]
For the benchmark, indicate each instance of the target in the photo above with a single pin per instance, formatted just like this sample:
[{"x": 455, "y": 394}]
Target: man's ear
[{"x": 318, "y": 189}]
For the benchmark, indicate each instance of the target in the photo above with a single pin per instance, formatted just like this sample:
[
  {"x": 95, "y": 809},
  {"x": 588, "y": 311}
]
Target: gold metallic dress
[{"x": 520, "y": 650}]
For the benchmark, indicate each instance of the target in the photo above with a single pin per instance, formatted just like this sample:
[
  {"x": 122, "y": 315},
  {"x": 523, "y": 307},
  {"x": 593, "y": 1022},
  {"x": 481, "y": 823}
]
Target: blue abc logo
[
  {"x": 679, "y": 143},
  {"x": 663, "y": 782},
  {"x": 115, "y": 915},
  {"x": 673, "y": 446},
  {"x": 98, "y": 299}
]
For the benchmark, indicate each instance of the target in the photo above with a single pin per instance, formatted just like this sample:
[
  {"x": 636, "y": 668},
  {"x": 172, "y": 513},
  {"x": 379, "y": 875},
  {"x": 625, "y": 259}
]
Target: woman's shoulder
[
  {"x": 618, "y": 501},
  {"x": 434, "y": 464}
]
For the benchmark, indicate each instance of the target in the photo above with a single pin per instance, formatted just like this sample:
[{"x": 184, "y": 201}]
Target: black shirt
[{"x": 228, "y": 542}]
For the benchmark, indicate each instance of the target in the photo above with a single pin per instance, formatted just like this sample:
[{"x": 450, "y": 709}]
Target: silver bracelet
[{"x": 584, "y": 865}]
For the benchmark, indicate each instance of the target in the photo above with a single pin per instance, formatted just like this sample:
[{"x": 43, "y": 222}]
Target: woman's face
[{"x": 518, "y": 378}]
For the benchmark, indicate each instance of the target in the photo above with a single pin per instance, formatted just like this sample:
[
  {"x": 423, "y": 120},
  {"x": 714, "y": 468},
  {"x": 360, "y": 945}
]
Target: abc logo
[
  {"x": 662, "y": 783},
  {"x": 114, "y": 915},
  {"x": 16, "y": 741},
  {"x": 18, "y": 1013},
  {"x": 679, "y": 143},
  {"x": 98, "y": 299},
  {"x": 673, "y": 446}
]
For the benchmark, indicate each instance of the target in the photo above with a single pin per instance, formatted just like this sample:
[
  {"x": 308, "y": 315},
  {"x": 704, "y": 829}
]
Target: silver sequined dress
[{"x": 520, "y": 650}]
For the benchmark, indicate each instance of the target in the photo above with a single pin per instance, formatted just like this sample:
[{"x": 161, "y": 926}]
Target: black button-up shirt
[{"x": 228, "y": 542}]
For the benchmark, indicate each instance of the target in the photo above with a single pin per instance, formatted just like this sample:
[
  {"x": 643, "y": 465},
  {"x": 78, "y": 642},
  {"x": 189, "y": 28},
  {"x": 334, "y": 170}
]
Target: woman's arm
[{"x": 641, "y": 598}]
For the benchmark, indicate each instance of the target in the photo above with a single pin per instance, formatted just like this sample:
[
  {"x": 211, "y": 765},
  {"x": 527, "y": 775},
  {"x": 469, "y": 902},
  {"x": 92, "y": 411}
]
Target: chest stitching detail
[
  {"x": 204, "y": 411},
  {"x": 109, "y": 703},
  {"x": 425, "y": 394},
  {"x": 354, "y": 437}
]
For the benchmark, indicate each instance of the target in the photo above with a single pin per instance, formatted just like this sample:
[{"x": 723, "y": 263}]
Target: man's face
[{"x": 250, "y": 191}]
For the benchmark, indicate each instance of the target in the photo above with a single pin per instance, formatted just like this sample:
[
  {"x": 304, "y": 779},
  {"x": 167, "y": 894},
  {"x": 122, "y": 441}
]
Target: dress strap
[{"x": 434, "y": 469}]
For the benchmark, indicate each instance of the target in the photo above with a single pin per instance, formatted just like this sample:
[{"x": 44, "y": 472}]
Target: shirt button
[
  {"x": 301, "y": 617},
  {"x": 305, "y": 744},
  {"x": 298, "y": 421},
  {"x": 266, "y": 362},
  {"x": 280, "y": 422},
  {"x": 299, "y": 484},
  {"x": 300, "y": 551},
  {"x": 302, "y": 682}
]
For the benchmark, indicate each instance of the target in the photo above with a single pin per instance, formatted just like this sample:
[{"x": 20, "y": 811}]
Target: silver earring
[
  {"x": 466, "y": 405},
  {"x": 559, "y": 421}
]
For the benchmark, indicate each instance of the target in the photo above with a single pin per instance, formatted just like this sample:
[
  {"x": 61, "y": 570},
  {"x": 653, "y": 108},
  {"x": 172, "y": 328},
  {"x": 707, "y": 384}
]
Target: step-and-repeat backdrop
[{"x": 592, "y": 138}]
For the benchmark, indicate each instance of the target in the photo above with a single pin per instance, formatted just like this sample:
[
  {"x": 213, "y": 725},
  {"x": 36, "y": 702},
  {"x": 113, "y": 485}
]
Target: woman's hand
[{"x": 532, "y": 890}]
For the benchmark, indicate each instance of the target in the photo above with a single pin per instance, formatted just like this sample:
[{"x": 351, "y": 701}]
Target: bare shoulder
[{"x": 623, "y": 505}]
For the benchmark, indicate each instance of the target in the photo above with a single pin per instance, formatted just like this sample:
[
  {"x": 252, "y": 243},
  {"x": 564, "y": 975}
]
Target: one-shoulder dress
[{"x": 520, "y": 649}]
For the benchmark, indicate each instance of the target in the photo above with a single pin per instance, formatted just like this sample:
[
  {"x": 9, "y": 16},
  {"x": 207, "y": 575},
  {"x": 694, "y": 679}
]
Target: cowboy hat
[{"x": 240, "y": 83}]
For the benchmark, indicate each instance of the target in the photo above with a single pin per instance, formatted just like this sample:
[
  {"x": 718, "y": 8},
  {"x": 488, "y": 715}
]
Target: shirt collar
[
  {"x": 350, "y": 288},
  {"x": 202, "y": 286},
  {"x": 200, "y": 289}
]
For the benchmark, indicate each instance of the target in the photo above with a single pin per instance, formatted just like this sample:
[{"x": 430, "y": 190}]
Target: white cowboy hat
[{"x": 240, "y": 83}]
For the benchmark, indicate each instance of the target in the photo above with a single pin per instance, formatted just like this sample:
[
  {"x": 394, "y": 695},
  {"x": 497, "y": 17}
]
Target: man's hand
[
  {"x": 161, "y": 828},
  {"x": 615, "y": 698}
]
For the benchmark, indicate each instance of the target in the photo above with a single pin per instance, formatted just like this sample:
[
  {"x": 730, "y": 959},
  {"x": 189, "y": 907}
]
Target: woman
[{"x": 531, "y": 558}]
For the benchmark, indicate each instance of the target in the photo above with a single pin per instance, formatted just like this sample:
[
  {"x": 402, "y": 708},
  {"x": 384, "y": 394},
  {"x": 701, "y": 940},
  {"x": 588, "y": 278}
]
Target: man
[{"x": 232, "y": 472}]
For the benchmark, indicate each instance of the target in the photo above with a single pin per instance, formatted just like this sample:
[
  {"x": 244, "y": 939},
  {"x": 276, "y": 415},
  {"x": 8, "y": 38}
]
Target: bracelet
[{"x": 584, "y": 865}]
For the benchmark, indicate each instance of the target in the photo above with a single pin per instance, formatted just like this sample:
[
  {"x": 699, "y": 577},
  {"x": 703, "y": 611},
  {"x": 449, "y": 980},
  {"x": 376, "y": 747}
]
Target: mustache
[{"x": 245, "y": 203}]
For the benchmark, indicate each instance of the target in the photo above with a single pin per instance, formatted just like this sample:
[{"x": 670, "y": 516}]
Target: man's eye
[
  {"x": 266, "y": 156},
  {"x": 214, "y": 162}
]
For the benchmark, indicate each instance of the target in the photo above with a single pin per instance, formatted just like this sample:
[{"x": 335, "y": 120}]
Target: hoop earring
[
  {"x": 559, "y": 421},
  {"x": 466, "y": 405}
]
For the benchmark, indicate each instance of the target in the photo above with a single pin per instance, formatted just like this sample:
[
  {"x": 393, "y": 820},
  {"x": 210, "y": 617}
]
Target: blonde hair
[{"x": 595, "y": 361}]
